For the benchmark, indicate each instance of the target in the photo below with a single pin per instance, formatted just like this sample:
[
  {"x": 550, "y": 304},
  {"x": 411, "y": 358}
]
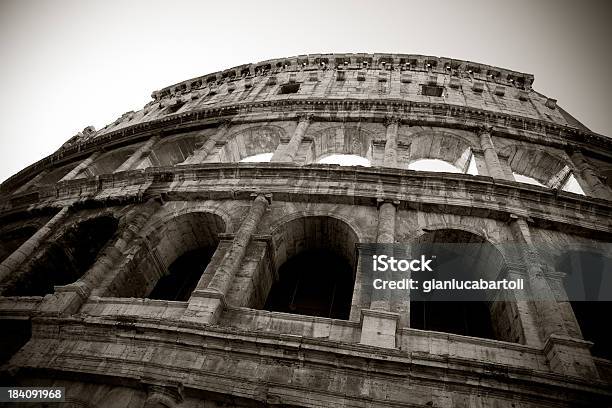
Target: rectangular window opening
[
  {"x": 432, "y": 90},
  {"x": 289, "y": 89}
]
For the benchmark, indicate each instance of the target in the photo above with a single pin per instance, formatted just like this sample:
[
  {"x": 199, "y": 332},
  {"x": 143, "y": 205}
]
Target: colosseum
[{"x": 206, "y": 250}]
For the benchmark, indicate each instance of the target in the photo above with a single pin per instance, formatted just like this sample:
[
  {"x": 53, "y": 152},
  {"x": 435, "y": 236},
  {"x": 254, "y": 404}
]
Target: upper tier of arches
[{"x": 346, "y": 143}]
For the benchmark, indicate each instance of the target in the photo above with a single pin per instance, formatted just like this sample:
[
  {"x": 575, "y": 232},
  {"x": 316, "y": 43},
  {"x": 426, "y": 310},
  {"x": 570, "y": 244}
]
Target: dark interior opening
[
  {"x": 15, "y": 334},
  {"x": 289, "y": 89},
  {"x": 183, "y": 276},
  {"x": 432, "y": 90},
  {"x": 589, "y": 316},
  {"x": 465, "y": 256},
  {"x": 65, "y": 260},
  {"x": 316, "y": 282},
  {"x": 12, "y": 240},
  {"x": 175, "y": 107},
  {"x": 583, "y": 284},
  {"x": 465, "y": 318}
]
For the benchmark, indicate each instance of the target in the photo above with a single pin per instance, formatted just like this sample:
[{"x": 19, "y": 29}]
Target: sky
[{"x": 67, "y": 64}]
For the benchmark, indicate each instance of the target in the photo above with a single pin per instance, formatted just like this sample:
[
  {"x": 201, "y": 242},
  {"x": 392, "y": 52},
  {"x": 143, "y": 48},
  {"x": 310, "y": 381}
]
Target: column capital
[
  {"x": 516, "y": 217},
  {"x": 304, "y": 117},
  {"x": 225, "y": 123},
  {"x": 267, "y": 197},
  {"x": 484, "y": 129},
  {"x": 382, "y": 200},
  {"x": 392, "y": 120}
]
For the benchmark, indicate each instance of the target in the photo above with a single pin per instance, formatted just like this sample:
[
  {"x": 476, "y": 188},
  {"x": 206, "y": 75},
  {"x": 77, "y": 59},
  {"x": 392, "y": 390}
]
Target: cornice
[
  {"x": 419, "y": 368},
  {"x": 343, "y": 61},
  {"x": 408, "y": 112},
  {"x": 464, "y": 194}
]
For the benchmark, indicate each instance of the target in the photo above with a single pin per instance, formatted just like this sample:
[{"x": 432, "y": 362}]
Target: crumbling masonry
[{"x": 145, "y": 265}]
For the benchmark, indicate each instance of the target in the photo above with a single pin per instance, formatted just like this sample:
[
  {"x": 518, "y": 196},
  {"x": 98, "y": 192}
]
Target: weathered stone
[{"x": 196, "y": 289}]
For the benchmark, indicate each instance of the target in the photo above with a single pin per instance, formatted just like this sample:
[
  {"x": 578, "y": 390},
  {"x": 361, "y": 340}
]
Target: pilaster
[
  {"x": 80, "y": 167},
  {"x": 286, "y": 153},
  {"x": 490, "y": 155},
  {"x": 28, "y": 248},
  {"x": 141, "y": 153},
  {"x": 587, "y": 177},
  {"x": 392, "y": 126},
  {"x": 205, "y": 305},
  {"x": 199, "y": 155}
]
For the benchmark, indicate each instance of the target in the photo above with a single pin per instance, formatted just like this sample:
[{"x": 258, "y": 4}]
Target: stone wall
[{"x": 120, "y": 209}]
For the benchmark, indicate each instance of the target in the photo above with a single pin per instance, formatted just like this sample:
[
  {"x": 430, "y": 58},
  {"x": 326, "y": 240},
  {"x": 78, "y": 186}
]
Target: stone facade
[{"x": 90, "y": 234}]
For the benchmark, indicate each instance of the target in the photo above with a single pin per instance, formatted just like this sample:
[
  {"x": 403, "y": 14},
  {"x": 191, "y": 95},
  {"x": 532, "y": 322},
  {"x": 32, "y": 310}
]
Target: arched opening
[
  {"x": 527, "y": 180},
  {"x": 108, "y": 162},
  {"x": 11, "y": 240},
  {"x": 183, "y": 275},
  {"x": 15, "y": 334},
  {"x": 439, "y": 152},
  {"x": 345, "y": 160},
  {"x": 588, "y": 275},
  {"x": 453, "y": 251},
  {"x": 258, "y": 158},
  {"x": 174, "y": 258},
  {"x": 540, "y": 168},
  {"x": 174, "y": 150},
  {"x": 254, "y": 144},
  {"x": 316, "y": 258},
  {"x": 344, "y": 145},
  {"x": 65, "y": 259}
]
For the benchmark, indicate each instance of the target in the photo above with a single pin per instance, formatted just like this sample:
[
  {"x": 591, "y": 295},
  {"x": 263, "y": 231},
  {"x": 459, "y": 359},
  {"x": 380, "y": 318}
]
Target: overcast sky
[{"x": 68, "y": 64}]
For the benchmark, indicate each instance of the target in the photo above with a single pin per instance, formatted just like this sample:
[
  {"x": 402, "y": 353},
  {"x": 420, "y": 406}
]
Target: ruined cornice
[{"x": 377, "y": 61}]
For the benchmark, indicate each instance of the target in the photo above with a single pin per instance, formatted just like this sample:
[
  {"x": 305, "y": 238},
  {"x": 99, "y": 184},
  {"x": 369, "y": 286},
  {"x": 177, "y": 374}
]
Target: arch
[
  {"x": 315, "y": 259},
  {"x": 345, "y": 139},
  {"x": 250, "y": 142},
  {"x": 108, "y": 162},
  {"x": 354, "y": 227},
  {"x": 435, "y": 145},
  {"x": 546, "y": 168},
  {"x": 171, "y": 258},
  {"x": 65, "y": 258},
  {"x": 468, "y": 250},
  {"x": 163, "y": 219},
  {"x": 173, "y": 150}
]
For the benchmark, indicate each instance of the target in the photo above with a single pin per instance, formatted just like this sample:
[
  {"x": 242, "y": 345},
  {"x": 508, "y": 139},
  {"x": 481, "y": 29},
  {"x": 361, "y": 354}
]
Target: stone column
[
  {"x": 27, "y": 249},
  {"x": 205, "y": 305},
  {"x": 493, "y": 166},
  {"x": 588, "y": 176},
  {"x": 381, "y": 299},
  {"x": 138, "y": 155},
  {"x": 80, "y": 167},
  {"x": 392, "y": 125},
  {"x": 566, "y": 355},
  {"x": 69, "y": 298},
  {"x": 199, "y": 155},
  {"x": 287, "y": 153},
  {"x": 378, "y": 324}
]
